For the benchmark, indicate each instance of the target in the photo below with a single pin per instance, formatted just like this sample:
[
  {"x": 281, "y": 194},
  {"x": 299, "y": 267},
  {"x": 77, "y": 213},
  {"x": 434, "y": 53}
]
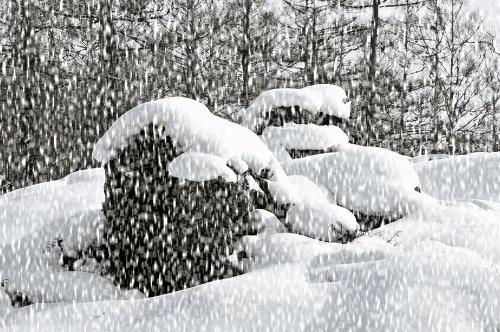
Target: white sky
[{"x": 490, "y": 9}]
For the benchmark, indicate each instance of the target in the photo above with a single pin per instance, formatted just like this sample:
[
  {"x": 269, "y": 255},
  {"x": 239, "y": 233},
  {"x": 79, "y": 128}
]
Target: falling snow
[{"x": 238, "y": 165}]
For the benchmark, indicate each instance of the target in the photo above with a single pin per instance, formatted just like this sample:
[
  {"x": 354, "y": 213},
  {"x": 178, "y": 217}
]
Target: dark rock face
[
  {"x": 162, "y": 233},
  {"x": 165, "y": 234},
  {"x": 281, "y": 115},
  {"x": 297, "y": 154}
]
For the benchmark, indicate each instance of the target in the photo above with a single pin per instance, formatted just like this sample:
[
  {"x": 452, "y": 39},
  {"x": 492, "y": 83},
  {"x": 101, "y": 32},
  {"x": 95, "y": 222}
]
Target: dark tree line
[{"x": 422, "y": 74}]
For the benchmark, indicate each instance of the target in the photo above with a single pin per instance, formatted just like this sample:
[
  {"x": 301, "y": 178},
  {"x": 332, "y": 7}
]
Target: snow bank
[
  {"x": 321, "y": 98},
  {"x": 33, "y": 218},
  {"x": 277, "y": 298},
  {"x": 63, "y": 202},
  {"x": 429, "y": 287},
  {"x": 365, "y": 179},
  {"x": 471, "y": 228},
  {"x": 305, "y": 137},
  {"x": 434, "y": 271},
  {"x": 300, "y": 284},
  {"x": 45, "y": 286},
  {"x": 472, "y": 176}
]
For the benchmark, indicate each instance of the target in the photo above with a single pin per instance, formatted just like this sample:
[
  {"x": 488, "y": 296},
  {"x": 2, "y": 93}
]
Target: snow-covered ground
[{"x": 437, "y": 269}]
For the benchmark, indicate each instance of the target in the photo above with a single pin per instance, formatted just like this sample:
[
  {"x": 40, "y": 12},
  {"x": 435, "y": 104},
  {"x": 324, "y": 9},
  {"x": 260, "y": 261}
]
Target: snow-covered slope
[
  {"x": 435, "y": 270},
  {"x": 383, "y": 281}
]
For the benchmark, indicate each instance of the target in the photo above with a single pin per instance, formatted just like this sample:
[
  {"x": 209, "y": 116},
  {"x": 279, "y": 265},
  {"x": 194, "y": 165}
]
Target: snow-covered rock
[
  {"x": 310, "y": 192},
  {"x": 472, "y": 176},
  {"x": 265, "y": 221},
  {"x": 322, "y": 221},
  {"x": 193, "y": 127},
  {"x": 321, "y": 98},
  {"x": 370, "y": 180},
  {"x": 193, "y": 175},
  {"x": 208, "y": 142}
]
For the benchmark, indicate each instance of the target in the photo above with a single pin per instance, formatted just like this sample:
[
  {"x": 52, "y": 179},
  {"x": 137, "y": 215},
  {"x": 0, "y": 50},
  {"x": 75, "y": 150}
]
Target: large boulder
[{"x": 180, "y": 183}]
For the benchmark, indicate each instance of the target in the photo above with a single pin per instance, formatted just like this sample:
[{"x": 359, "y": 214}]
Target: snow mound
[
  {"x": 200, "y": 167},
  {"x": 366, "y": 179},
  {"x": 430, "y": 287},
  {"x": 470, "y": 228},
  {"x": 283, "y": 248},
  {"x": 305, "y": 137},
  {"x": 472, "y": 176},
  {"x": 321, "y": 98}
]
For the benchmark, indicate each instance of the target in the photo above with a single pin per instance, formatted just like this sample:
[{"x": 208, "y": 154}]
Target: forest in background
[{"x": 423, "y": 75}]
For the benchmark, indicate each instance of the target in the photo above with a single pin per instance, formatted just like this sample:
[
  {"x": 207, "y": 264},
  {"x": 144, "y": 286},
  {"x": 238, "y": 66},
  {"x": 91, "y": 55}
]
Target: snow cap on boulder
[
  {"x": 321, "y": 98},
  {"x": 209, "y": 143}
]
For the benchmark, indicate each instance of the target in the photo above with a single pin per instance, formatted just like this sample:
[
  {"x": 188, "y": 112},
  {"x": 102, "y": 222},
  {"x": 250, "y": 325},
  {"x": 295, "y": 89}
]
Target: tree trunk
[
  {"x": 245, "y": 52},
  {"x": 436, "y": 79},
  {"x": 372, "y": 68},
  {"x": 314, "y": 46},
  {"x": 404, "y": 106},
  {"x": 496, "y": 145},
  {"x": 108, "y": 62}
]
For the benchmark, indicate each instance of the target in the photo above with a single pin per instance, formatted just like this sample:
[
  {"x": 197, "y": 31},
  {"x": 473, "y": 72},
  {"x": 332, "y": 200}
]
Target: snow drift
[{"x": 468, "y": 177}]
